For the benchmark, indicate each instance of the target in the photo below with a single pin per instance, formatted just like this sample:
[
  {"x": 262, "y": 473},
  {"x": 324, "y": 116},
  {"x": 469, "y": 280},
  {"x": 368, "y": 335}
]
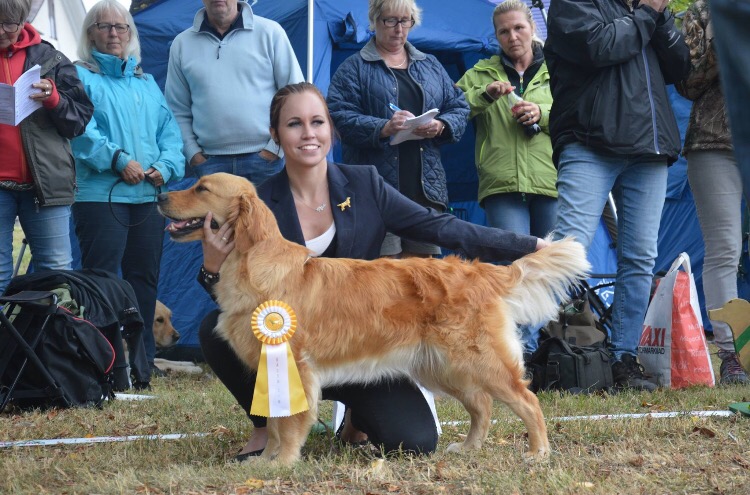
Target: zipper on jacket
[{"x": 651, "y": 101}]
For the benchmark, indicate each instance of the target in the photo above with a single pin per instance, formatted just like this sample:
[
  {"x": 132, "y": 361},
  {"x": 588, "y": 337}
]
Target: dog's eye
[
  {"x": 201, "y": 188},
  {"x": 160, "y": 319}
]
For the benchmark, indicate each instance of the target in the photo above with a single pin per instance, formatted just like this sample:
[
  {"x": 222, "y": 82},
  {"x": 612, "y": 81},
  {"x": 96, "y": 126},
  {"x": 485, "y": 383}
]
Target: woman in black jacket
[{"x": 37, "y": 171}]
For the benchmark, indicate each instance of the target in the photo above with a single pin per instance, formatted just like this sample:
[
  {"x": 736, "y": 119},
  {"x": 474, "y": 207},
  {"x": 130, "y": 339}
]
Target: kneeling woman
[{"x": 343, "y": 211}]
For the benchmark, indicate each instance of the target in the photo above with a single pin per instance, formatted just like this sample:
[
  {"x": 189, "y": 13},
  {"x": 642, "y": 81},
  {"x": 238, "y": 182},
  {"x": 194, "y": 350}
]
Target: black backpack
[{"x": 51, "y": 358}]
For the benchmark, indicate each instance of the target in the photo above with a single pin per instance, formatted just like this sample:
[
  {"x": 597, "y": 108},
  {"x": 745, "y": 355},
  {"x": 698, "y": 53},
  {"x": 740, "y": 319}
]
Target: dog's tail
[{"x": 544, "y": 278}]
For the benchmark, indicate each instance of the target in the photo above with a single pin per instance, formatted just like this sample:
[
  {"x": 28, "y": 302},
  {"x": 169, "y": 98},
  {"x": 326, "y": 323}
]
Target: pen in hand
[{"x": 393, "y": 107}]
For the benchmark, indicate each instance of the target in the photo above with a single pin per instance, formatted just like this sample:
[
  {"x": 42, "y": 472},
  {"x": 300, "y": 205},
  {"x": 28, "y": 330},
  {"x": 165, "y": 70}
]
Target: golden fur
[
  {"x": 165, "y": 334},
  {"x": 447, "y": 323}
]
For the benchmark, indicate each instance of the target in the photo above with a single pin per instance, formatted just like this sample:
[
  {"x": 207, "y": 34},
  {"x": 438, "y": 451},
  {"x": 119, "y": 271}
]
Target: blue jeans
[
  {"x": 249, "y": 165},
  {"x": 731, "y": 19},
  {"x": 638, "y": 183},
  {"x": 47, "y": 229},
  {"x": 522, "y": 213},
  {"x": 134, "y": 251}
]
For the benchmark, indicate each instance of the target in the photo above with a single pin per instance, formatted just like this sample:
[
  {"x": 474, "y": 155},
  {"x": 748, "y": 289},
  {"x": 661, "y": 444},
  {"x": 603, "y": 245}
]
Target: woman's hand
[
  {"x": 527, "y": 113},
  {"x": 396, "y": 123},
  {"x": 541, "y": 243},
  {"x": 496, "y": 89},
  {"x": 46, "y": 87},
  {"x": 216, "y": 246},
  {"x": 430, "y": 130},
  {"x": 154, "y": 177},
  {"x": 132, "y": 173}
]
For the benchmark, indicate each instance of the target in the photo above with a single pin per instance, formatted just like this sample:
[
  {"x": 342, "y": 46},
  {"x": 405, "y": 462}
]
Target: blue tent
[{"x": 458, "y": 35}]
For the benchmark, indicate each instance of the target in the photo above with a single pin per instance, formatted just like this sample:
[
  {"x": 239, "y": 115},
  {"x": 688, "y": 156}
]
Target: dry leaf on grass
[
  {"x": 706, "y": 432},
  {"x": 741, "y": 461}
]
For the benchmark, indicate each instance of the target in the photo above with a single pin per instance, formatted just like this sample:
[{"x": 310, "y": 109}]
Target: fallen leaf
[
  {"x": 706, "y": 432},
  {"x": 742, "y": 462},
  {"x": 637, "y": 461},
  {"x": 253, "y": 483}
]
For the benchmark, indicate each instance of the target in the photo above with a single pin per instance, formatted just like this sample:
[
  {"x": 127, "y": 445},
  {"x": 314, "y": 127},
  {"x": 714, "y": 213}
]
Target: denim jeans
[
  {"x": 133, "y": 251},
  {"x": 249, "y": 165},
  {"x": 47, "y": 229},
  {"x": 731, "y": 19},
  {"x": 585, "y": 178},
  {"x": 522, "y": 213}
]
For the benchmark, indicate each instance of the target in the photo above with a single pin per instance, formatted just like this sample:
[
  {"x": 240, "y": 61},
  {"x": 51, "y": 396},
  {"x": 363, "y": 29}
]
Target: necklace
[
  {"x": 320, "y": 208},
  {"x": 401, "y": 64}
]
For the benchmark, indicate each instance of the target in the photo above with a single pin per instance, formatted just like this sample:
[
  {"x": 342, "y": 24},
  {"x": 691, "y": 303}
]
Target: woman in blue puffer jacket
[
  {"x": 130, "y": 149},
  {"x": 371, "y": 95}
]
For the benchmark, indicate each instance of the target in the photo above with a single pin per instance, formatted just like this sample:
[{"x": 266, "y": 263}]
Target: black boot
[{"x": 628, "y": 373}]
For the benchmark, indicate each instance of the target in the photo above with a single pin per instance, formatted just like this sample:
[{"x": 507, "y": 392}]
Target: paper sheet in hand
[
  {"x": 15, "y": 104},
  {"x": 411, "y": 124}
]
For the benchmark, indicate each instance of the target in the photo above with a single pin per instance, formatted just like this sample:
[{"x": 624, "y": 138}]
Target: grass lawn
[{"x": 688, "y": 455}]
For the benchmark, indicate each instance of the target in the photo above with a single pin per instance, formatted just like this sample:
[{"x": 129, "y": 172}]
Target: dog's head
[
  {"x": 165, "y": 334},
  {"x": 230, "y": 199}
]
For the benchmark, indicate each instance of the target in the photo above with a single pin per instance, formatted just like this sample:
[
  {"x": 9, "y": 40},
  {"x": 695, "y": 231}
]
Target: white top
[{"x": 319, "y": 245}]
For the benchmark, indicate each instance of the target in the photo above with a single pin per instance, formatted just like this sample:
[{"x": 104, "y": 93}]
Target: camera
[{"x": 531, "y": 130}]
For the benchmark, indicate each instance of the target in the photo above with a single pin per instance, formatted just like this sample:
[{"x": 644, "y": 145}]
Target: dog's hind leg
[
  {"x": 479, "y": 406},
  {"x": 525, "y": 404}
]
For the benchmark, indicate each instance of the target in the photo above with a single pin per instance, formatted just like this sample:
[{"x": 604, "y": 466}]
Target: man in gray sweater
[{"x": 223, "y": 73}]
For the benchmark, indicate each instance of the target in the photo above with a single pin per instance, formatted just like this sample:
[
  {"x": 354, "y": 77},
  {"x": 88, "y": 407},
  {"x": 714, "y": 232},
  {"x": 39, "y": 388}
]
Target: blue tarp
[{"x": 459, "y": 35}]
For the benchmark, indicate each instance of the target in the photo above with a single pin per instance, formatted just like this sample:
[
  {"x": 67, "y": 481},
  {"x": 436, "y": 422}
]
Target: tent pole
[{"x": 310, "y": 38}]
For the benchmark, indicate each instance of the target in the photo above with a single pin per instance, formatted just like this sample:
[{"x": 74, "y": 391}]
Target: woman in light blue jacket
[{"x": 131, "y": 148}]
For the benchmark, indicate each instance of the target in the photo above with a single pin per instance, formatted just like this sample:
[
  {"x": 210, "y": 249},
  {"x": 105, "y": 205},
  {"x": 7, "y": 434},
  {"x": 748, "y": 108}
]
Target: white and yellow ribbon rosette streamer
[{"x": 278, "y": 387}]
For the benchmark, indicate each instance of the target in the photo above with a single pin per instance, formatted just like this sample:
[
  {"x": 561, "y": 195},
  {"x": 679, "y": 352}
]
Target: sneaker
[
  {"x": 731, "y": 370},
  {"x": 628, "y": 373}
]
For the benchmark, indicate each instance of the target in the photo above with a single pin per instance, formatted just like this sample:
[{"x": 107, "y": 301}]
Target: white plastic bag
[{"x": 673, "y": 345}]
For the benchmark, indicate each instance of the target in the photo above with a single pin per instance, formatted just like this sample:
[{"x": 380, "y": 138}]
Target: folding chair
[{"x": 23, "y": 322}]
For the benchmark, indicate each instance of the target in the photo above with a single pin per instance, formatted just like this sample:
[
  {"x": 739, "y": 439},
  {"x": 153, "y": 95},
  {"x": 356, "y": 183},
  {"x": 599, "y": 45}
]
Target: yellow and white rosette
[{"x": 278, "y": 387}]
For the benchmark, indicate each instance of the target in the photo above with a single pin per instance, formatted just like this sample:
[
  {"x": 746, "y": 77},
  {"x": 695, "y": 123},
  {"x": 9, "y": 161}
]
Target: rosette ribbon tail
[{"x": 278, "y": 387}]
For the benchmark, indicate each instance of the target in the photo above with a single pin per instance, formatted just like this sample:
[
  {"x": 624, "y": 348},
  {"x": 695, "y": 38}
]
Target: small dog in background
[{"x": 165, "y": 336}]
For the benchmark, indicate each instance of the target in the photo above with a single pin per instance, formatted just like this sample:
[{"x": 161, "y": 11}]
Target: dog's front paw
[
  {"x": 539, "y": 455},
  {"x": 455, "y": 447}
]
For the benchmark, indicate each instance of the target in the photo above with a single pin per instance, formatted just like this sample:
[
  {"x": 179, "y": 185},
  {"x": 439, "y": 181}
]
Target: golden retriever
[
  {"x": 447, "y": 323},
  {"x": 165, "y": 336}
]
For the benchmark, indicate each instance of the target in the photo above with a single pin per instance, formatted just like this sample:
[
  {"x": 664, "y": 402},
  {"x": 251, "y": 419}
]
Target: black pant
[
  {"x": 134, "y": 251},
  {"x": 393, "y": 413}
]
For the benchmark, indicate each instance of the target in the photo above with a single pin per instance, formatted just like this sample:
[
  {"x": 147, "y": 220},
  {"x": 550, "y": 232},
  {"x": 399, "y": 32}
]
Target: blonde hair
[
  {"x": 378, "y": 6},
  {"x": 516, "y": 6},
  {"x": 85, "y": 45}
]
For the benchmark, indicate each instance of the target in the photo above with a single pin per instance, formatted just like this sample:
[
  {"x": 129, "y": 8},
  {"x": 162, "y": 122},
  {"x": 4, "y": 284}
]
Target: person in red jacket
[{"x": 37, "y": 171}]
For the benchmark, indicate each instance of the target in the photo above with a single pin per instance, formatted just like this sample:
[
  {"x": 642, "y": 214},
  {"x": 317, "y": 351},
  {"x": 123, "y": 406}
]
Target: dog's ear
[{"x": 253, "y": 221}]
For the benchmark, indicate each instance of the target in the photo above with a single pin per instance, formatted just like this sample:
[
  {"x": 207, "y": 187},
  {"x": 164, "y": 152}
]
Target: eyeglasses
[
  {"x": 10, "y": 27},
  {"x": 106, "y": 27},
  {"x": 391, "y": 22}
]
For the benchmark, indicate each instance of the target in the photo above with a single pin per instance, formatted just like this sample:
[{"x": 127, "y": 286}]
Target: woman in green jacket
[
  {"x": 510, "y": 98},
  {"x": 513, "y": 150}
]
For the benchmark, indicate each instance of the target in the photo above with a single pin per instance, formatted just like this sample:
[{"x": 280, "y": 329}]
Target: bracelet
[
  {"x": 208, "y": 277},
  {"x": 441, "y": 129}
]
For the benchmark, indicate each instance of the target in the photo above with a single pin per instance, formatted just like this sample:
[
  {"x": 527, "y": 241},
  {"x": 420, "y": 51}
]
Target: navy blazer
[{"x": 375, "y": 208}]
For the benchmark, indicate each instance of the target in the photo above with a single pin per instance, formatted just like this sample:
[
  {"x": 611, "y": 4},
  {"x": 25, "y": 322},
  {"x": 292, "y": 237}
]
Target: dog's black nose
[{"x": 162, "y": 197}]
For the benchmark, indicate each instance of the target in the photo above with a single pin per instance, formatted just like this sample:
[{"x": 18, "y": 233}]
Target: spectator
[
  {"x": 37, "y": 175},
  {"x": 731, "y": 19},
  {"x": 130, "y": 149},
  {"x": 390, "y": 72},
  {"x": 715, "y": 180},
  {"x": 513, "y": 151},
  {"x": 393, "y": 414},
  {"x": 223, "y": 72},
  {"x": 613, "y": 129}
]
